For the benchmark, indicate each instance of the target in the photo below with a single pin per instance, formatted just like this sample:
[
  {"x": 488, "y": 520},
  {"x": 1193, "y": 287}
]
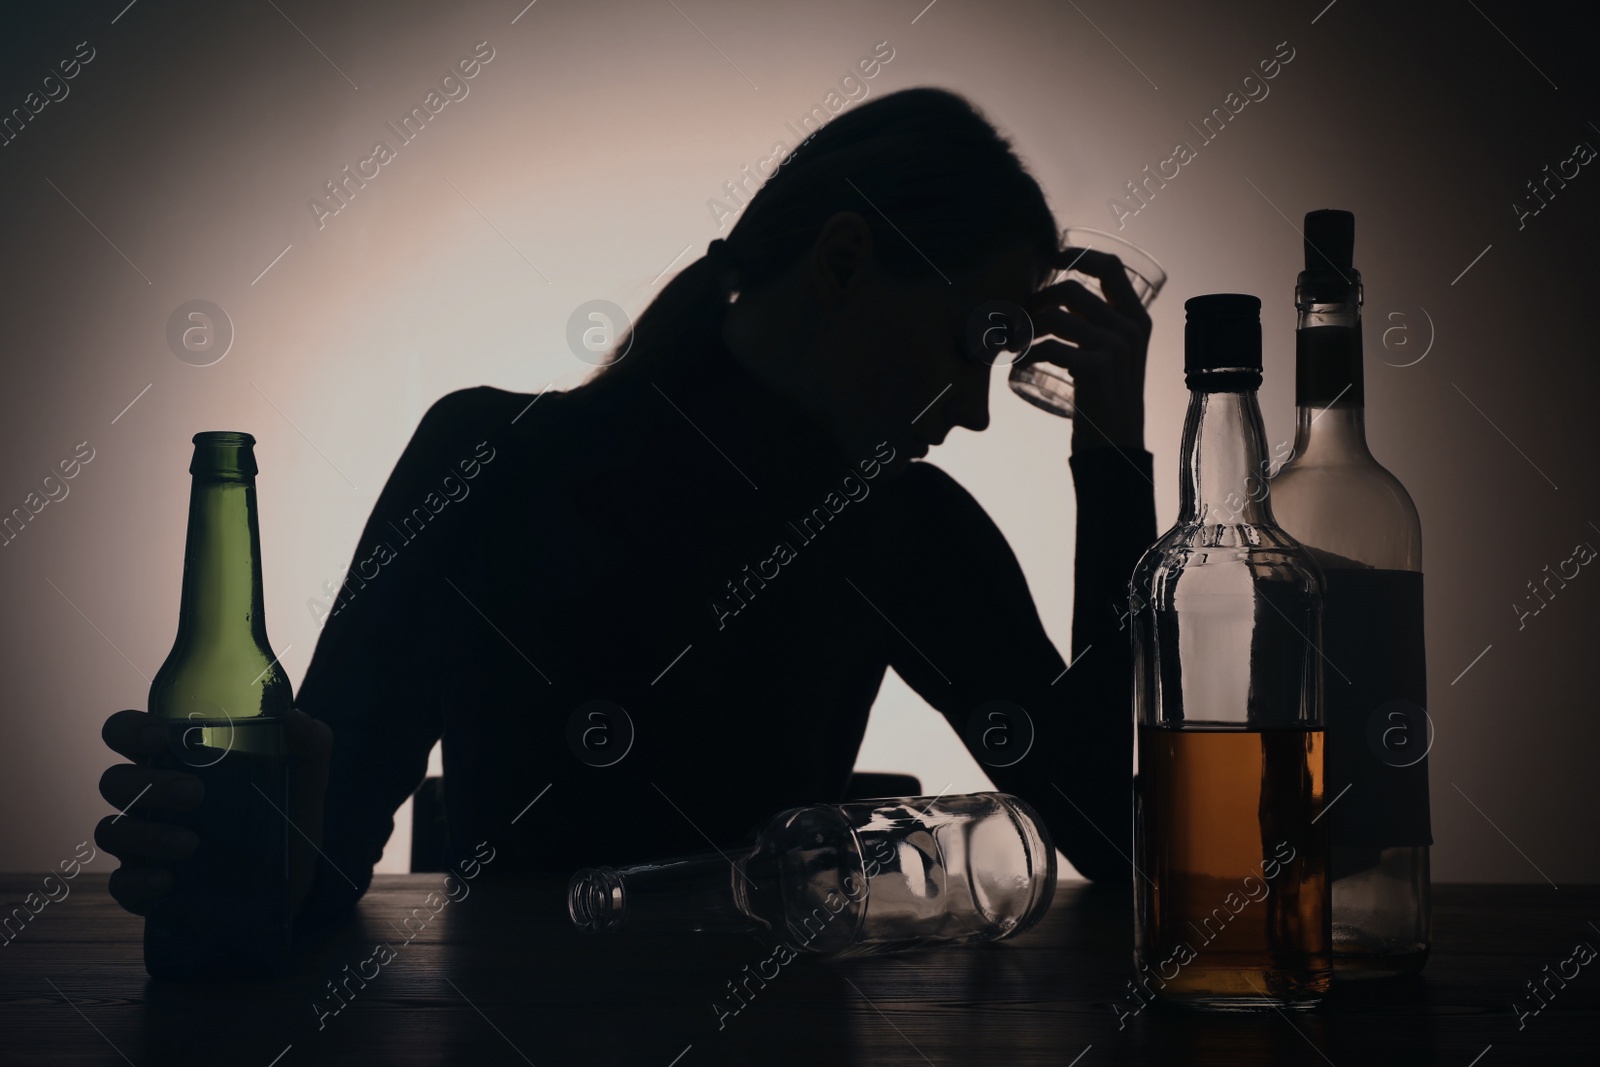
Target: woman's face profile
[{"x": 892, "y": 353}]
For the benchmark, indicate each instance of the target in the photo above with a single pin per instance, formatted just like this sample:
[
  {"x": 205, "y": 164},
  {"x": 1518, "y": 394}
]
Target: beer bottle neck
[
  {"x": 703, "y": 893},
  {"x": 222, "y": 563},
  {"x": 221, "y": 664},
  {"x": 221, "y": 606}
]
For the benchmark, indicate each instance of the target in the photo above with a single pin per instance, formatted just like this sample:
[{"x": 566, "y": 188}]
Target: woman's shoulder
[
  {"x": 931, "y": 507},
  {"x": 489, "y": 406},
  {"x": 513, "y": 419},
  {"x": 558, "y": 435},
  {"x": 925, "y": 485}
]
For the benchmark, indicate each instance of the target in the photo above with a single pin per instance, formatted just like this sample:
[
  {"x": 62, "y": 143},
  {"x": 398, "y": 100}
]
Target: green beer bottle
[{"x": 225, "y": 700}]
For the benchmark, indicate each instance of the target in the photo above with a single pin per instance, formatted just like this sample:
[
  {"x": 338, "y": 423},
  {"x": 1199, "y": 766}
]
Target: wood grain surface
[{"x": 499, "y": 977}]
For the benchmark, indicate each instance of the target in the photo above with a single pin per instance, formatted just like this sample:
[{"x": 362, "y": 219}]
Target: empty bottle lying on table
[{"x": 851, "y": 879}]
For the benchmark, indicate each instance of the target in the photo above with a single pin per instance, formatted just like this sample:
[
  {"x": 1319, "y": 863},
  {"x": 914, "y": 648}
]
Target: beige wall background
[{"x": 179, "y": 161}]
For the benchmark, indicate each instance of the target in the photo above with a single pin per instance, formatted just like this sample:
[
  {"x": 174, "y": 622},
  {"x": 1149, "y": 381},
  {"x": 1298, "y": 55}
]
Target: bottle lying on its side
[{"x": 851, "y": 879}]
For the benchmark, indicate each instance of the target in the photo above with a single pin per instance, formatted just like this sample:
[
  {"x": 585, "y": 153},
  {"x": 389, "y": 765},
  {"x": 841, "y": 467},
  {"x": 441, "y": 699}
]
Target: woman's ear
[{"x": 840, "y": 256}]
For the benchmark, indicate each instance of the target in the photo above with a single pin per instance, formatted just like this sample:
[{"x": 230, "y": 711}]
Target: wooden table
[{"x": 500, "y": 978}]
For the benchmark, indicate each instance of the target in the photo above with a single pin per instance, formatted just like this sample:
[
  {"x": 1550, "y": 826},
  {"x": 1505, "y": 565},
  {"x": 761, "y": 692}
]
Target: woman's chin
[{"x": 905, "y": 455}]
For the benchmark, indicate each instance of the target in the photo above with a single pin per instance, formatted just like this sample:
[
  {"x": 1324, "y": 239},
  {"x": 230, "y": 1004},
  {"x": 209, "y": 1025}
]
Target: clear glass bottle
[
  {"x": 225, "y": 701},
  {"x": 1361, "y": 526},
  {"x": 851, "y": 879},
  {"x": 1231, "y": 892}
]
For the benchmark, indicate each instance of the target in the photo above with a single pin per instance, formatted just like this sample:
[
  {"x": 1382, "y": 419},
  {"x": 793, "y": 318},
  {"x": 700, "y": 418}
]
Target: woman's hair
[{"x": 939, "y": 187}]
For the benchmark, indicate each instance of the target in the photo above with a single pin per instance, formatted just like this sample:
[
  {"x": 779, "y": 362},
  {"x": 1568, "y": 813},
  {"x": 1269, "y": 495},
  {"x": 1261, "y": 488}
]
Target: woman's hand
[
  {"x": 1106, "y": 354},
  {"x": 148, "y": 849}
]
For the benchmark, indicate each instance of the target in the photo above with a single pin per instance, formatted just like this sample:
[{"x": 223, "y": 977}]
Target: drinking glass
[{"x": 1047, "y": 386}]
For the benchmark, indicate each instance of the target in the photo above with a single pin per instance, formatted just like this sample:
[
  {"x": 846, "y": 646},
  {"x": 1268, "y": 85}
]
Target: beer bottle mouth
[
  {"x": 596, "y": 900},
  {"x": 224, "y": 454},
  {"x": 224, "y": 437}
]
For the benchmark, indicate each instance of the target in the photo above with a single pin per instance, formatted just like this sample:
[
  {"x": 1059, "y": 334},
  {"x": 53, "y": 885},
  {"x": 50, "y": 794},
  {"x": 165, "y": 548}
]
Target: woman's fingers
[
  {"x": 1079, "y": 362},
  {"x": 145, "y": 848},
  {"x": 148, "y": 848},
  {"x": 125, "y": 784},
  {"x": 1080, "y": 300},
  {"x": 1104, "y": 334},
  {"x": 137, "y": 887},
  {"x": 1087, "y": 337},
  {"x": 1101, "y": 342},
  {"x": 1071, "y": 311},
  {"x": 139, "y": 736},
  {"x": 1108, "y": 270},
  {"x": 132, "y": 839},
  {"x": 134, "y": 734}
]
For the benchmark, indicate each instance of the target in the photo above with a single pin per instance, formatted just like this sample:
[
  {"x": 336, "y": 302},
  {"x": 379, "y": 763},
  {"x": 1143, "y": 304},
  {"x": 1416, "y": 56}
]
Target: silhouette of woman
[{"x": 724, "y": 533}]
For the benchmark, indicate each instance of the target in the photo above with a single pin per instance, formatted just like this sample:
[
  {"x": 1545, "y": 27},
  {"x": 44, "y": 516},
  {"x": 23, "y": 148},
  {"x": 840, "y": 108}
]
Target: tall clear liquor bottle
[{"x": 1362, "y": 528}]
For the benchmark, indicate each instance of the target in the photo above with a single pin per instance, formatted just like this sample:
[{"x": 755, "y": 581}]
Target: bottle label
[
  {"x": 1327, "y": 366},
  {"x": 1375, "y": 696}
]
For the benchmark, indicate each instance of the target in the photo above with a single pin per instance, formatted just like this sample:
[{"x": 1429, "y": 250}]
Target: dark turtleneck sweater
[{"x": 704, "y": 557}]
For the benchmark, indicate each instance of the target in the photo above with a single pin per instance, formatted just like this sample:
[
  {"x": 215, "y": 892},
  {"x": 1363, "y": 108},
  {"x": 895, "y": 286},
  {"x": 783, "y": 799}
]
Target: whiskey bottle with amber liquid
[{"x": 1230, "y": 881}]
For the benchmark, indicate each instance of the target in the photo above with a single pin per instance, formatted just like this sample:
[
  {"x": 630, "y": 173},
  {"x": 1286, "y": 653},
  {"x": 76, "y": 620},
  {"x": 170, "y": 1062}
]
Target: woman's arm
[
  {"x": 966, "y": 636},
  {"x": 376, "y": 674},
  {"x": 1115, "y": 524}
]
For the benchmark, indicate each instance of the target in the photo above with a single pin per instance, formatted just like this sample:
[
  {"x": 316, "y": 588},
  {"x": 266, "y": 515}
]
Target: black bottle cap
[
  {"x": 1222, "y": 343},
  {"x": 1330, "y": 239}
]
